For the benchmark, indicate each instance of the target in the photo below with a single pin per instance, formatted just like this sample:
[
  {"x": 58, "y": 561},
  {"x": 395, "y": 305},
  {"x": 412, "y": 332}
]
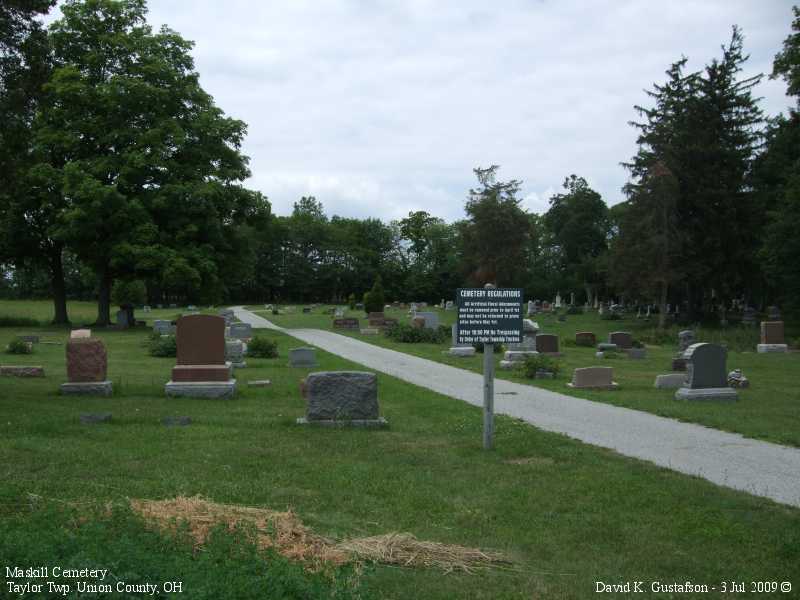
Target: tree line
[{"x": 121, "y": 180}]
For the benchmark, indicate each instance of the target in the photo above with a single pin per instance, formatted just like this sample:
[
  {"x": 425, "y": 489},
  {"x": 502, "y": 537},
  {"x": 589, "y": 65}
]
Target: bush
[
  {"x": 19, "y": 346},
  {"x": 163, "y": 346},
  {"x": 406, "y": 334},
  {"x": 261, "y": 347},
  {"x": 538, "y": 362},
  {"x": 375, "y": 300},
  {"x": 351, "y": 301}
]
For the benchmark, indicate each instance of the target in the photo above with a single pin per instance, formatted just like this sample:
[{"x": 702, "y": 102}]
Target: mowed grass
[
  {"x": 767, "y": 410},
  {"x": 79, "y": 312},
  {"x": 568, "y": 514}
]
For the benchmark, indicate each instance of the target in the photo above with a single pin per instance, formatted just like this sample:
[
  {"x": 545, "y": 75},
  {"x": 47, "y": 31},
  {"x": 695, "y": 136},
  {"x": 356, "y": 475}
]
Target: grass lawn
[
  {"x": 568, "y": 514},
  {"x": 767, "y": 410},
  {"x": 79, "y": 312}
]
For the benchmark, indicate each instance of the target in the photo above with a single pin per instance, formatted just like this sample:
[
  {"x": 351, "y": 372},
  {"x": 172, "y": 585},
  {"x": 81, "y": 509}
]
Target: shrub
[
  {"x": 574, "y": 310},
  {"x": 19, "y": 346},
  {"x": 275, "y": 311},
  {"x": 406, "y": 334},
  {"x": 351, "y": 301},
  {"x": 261, "y": 347},
  {"x": 375, "y": 300},
  {"x": 538, "y": 362},
  {"x": 163, "y": 345}
]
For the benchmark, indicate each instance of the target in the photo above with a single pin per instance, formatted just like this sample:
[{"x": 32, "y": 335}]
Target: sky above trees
[{"x": 378, "y": 109}]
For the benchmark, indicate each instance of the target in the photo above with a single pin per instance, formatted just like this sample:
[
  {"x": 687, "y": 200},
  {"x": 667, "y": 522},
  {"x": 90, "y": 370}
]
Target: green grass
[
  {"x": 767, "y": 410},
  {"x": 568, "y": 514}
]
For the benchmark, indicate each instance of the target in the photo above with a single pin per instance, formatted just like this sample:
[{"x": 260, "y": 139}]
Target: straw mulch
[{"x": 286, "y": 533}]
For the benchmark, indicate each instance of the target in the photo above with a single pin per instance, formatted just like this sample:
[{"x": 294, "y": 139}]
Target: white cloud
[{"x": 379, "y": 108}]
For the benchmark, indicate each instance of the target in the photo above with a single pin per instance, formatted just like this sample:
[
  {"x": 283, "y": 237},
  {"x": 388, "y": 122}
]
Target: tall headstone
[
  {"x": 201, "y": 370},
  {"x": 772, "y": 337},
  {"x": 558, "y": 300},
  {"x": 87, "y": 366},
  {"x": 706, "y": 374}
]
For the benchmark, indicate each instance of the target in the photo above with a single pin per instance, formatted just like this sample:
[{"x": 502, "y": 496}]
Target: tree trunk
[
  {"x": 58, "y": 287},
  {"x": 104, "y": 300},
  {"x": 662, "y": 308}
]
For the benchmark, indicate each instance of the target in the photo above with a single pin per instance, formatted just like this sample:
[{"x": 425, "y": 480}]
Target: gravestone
[
  {"x": 306, "y": 310},
  {"x": 338, "y": 313},
  {"x": 772, "y": 337},
  {"x": 547, "y": 343},
  {"x": 241, "y": 331},
  {"x": 596, "y": 378},
  {"x": 685, "y": 339},
  {"x": 341, "y": 398},
  {"x": 234, "y": 353},
  {"x": 706, "y": 375},
  {"x": 191, "y": 308},
  {"x": 531, "y": 308},
  {"x": 449, "y": 305},
  {"x": 622, "y": 339},
  {"x": 773, "y": 313},
  {"x": 146, "y": 308},
  {"x": 302, "y": 357},
  {"x": 346, "y": 324},
  {"x": 21, "y": 371},
  {"x": 418, "y": 322},
  {"x": 456, "y": 349},
  {"x": 369, "y": 331},
  {"x": 748, "y": 316},
  {"x": 201, "y": 370},
  {"x": 227, "y": 315},
  {"x": 176, "y": 421},
  {"x": 376, "y": 319},
  {"x": 636, "y": 353},
  {"x": 162, "y": 327},
  {"x": 431, "y": 319},
  {"x": 670, "y": 381},
  {"x": 585, "y": 338},
  {"x": 77, "y": 334},
  {"x": 31, "y": 339},
  {"x": 123, "y": 318},
  {"x": 87, "y": 366}
]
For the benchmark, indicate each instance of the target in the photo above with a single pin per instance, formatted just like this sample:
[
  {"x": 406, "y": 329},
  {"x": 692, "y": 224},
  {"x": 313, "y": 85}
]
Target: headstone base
[
  {"x": 606, "y": 346},
  {"x": 720, "y": 394},
  {"x": 670, "y": 381},
  {"x": 462, "y": 351},
  {"x": 378, "y": 423},
  {"x": 259, "y": 383},
  {"x": 613, "y": 386},
  {"x": 87, "y": 388},
  {"x": 370, "y": 331},
  {"x": 766, "y": 348},
  {"x": 21, "y": 371},
  {"x": 201, "y": 389}
]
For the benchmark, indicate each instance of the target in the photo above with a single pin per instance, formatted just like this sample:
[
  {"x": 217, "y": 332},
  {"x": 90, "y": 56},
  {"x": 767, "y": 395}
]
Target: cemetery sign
[{"x": 489, "y": 316}]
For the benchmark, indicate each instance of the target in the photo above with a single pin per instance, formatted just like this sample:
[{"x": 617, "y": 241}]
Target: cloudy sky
[{"x": 379, "y": 108}]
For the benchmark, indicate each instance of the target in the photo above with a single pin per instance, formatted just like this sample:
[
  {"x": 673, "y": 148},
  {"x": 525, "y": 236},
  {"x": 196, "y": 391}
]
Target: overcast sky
[{"x": 380, "y": 108}]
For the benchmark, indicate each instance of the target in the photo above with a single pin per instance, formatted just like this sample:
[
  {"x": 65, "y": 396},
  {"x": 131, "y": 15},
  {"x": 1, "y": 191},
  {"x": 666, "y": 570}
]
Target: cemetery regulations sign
[{"x": 489, "y": 316}]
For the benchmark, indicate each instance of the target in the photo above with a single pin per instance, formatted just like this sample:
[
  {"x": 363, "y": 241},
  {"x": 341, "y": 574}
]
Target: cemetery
[{"x": 267, "y": 331}]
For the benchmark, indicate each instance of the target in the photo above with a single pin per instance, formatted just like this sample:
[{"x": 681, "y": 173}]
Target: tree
[
  {"x": 146, "y": 164},
  {"x": 375, "y": 300},
  {"x": 777, "y": 180},
  {"x": 645, "y": 250},
  {"x": 578, "y": 221},
  {"x": 496, "y": 232},
  {"x": 26, "y": 236},
  {"x": 705, "y": 130}
]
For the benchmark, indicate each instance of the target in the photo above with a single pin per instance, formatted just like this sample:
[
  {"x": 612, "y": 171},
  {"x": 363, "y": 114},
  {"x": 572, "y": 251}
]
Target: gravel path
[{"x": 727, "y": 459}]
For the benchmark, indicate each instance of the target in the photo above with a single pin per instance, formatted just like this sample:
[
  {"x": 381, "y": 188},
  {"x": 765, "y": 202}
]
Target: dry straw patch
[{"x": 284, "y": 532}]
